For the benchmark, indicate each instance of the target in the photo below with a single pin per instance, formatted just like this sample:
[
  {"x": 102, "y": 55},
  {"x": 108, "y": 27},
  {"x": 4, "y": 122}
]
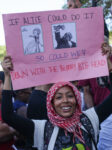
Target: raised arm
[
  {"x": 22, "y": 125},
  {"x": 105, "y": 109}
]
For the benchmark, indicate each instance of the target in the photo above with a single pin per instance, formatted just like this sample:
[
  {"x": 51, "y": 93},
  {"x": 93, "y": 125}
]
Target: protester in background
[
  {"x": 74, "y": 4},
  {"x": 93, "y": 94},
  {"x": 37, "y": 107},
  {"x": 96, "y": 89},
  {"x": 37, "y": 103},
  {"x": 7, "y": 133},
  {"x": 76, "y": 83},
  {"x": 71, "y": 128},
  {"x": 105, "y": 136},
  {"x": 71, "y": 4},
  {"x": 21, "y": 100}
]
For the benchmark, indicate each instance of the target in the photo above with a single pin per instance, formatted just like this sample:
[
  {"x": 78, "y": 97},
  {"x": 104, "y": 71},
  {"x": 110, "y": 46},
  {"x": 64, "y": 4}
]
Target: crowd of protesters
[
  {"x": 60, "y": 116},
  {"x": 65, "y": 125}
]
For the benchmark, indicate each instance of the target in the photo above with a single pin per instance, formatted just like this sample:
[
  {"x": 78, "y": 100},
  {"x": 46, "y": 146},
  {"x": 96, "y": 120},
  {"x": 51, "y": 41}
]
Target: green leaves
[{"x": 2, "y": 52}]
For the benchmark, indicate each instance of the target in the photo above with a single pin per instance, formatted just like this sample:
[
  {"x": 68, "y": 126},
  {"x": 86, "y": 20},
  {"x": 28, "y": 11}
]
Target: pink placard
[{"x": 53, "y": 46}]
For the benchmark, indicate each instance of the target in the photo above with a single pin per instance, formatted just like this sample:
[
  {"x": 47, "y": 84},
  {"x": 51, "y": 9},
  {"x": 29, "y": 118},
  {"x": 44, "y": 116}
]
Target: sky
[{"x": 13, "y": 6}]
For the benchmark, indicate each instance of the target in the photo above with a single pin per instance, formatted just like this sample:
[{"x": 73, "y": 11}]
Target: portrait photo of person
[
  {"x": 64, "y": 35},
  {"x": 32, "y": 39}
]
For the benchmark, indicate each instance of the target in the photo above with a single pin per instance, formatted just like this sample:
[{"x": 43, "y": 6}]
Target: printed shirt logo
[{"x": 78, "y": 147}]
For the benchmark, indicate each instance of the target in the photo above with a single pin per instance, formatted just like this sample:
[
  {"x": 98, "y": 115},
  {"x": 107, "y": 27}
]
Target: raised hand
[
  {"x": 106, "y": 49},
  {"x": 7, "y": 65}
]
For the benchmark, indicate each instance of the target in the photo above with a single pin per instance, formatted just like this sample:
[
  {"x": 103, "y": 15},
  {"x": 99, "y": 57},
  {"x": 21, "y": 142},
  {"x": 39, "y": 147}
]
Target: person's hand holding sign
[
  {"x": 7, "y": 64},
  {"x": 7, "y": 67},
  {"x": 107, "y": 50}
]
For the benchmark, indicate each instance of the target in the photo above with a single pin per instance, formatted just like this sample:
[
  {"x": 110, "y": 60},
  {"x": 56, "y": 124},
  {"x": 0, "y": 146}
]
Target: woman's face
[
  {"x": 64, "y": 102},
  {"x": 73, "y": 4}
]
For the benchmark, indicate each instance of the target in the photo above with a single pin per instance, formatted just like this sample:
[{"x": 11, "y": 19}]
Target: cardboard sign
[{"x": 47, "y": 47}]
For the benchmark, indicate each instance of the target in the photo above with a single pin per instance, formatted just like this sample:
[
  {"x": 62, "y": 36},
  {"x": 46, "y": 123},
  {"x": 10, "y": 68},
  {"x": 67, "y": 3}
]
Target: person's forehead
[
  {"x": 71, "y": 1},
  {"x": 74, "y": 1},
  {"x": 65, "y": 88}
]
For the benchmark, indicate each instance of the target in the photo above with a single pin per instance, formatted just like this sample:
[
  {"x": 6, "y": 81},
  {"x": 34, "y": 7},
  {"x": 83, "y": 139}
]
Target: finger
[
  {"x": 104, "y": 44},
  {"x": 9, "y": 66},
  {"x": 105, "y": 51},
  {"x": 105, "y": 48},
  {"x": 7, "y": 57}
]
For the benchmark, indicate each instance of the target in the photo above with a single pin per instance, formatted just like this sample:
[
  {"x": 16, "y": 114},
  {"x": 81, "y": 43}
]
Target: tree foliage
[
  {"x": 2, "y": 52},
  {"x": 110, "y": 37},
  {"x": 106, "y": 4}
]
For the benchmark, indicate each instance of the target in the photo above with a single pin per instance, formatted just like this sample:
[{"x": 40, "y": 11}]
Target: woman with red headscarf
[{"x": 68, "y": 127}]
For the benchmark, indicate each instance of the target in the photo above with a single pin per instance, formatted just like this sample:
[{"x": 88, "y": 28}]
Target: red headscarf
[{"x": 71, "y": 124}]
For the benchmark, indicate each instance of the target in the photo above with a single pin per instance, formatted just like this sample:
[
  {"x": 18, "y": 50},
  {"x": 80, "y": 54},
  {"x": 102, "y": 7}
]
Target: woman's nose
[{"x": 65, "y": 99}]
